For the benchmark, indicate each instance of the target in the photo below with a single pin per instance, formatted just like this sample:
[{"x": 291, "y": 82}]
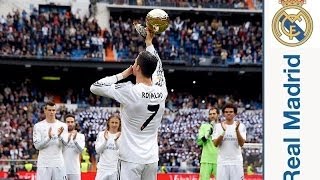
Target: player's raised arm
[
  {"x": 38, "y": 141},
  {"x": 107, "y": 86},
  {"x": 63, "y": 135},
  {"x": 241, "y": 133},
  {"x": 79, "y": 142},
  {"x": 103, "y": 86},
  {"x": 158, "y": 75},
  {"x": 101, "y": 142},
  {"x": 219, "y": 134},
  {"x": 201, "y": 136}
]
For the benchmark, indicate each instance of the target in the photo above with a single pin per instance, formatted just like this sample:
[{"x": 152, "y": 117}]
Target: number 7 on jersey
[{"x": 154, "y": 109}]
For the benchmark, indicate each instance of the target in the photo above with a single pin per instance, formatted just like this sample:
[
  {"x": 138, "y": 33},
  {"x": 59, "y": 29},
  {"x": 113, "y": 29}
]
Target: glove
[
  {"x": 207, "y": 135},
  {"x": 210, "y": 131},
  {"x": 204, "y": 139}
]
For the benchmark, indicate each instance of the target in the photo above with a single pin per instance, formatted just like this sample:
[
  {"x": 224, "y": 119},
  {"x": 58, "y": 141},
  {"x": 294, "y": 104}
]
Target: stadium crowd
[
  {"x": 59, "y": 34},
  {"x": 64, "y": 35},
  {"x": 21, "y": 107},
  {"x": 191, "y": 41},
  {"x": 237, "y": 4}
]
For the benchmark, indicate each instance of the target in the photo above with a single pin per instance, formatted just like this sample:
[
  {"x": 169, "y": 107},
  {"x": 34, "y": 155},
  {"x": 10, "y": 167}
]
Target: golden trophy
[{"x": 157, "y": 21}]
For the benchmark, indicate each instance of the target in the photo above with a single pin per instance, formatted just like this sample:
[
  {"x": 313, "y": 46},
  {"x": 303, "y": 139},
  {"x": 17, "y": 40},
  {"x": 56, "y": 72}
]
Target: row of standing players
[
  {"x": 59, "y": 153},
  {"x": 221, "y": 144},
  {"x": 136, "y": 149}
]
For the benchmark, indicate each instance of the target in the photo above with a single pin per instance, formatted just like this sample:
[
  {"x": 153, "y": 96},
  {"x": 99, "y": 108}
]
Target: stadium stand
[
  {"x": 237, "y": 4},
  {"x": 186, "y": 40},
  {"x": 50, "y": 34},
  {"x": 63, "y": 35}
]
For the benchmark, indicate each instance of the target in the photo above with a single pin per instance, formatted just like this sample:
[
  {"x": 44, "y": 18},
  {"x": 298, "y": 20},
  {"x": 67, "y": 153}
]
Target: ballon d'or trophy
[{"x": 157, "y": 21}]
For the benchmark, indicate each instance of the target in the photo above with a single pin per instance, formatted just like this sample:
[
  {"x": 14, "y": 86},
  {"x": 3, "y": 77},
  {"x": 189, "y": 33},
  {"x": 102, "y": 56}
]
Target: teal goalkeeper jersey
[{"x": 209, "y": 151}]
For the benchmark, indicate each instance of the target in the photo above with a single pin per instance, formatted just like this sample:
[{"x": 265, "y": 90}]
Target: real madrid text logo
[{"x": 292, "y": 24}]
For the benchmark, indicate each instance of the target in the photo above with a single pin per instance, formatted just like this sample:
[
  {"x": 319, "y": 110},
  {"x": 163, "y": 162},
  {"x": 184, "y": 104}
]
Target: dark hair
[
  {"x": 49, "y": 103},
  {"x": 114, "y": 116},
  {"x": 230, "y": 106},
  {"x": 69, "y": 115},
  {"x": 147, "y": 63},
  {"x": 214, "y": 108}
]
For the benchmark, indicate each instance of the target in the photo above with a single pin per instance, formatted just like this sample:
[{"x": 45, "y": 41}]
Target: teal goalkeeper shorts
[{"x": 206, "y": 170}]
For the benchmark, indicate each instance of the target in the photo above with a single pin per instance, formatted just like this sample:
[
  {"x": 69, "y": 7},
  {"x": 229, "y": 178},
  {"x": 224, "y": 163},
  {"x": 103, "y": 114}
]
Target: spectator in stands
[
  {"x": 28, "y": 166},
  {"x": 72, "y": 151},
  {"x": 49, "y": 135},
  {"x": 85, "y": 164},
  {"x": 163, "y": 169},
  {"x": 209, "y": 151},
  {"x": 229, "y": 137},
  {"x": 250, "y": 170},
  {"x": 108, "y": 150}
]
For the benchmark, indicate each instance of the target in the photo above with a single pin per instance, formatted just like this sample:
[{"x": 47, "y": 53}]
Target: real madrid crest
[{"x": 292, "y": 25}]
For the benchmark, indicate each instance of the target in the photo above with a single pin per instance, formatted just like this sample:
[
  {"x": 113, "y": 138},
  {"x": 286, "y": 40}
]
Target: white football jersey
[
  {"x": 108, "y": 151},
  {"x": 229, "y": 152},
  {"x": 141, "y": 113},
  {"x": 50, "y": 150},
  {"x": 71, "y": 153}
]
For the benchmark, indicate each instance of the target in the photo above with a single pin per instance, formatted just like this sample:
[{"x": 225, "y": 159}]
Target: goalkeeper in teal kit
[{"x": 209, "y": 151}]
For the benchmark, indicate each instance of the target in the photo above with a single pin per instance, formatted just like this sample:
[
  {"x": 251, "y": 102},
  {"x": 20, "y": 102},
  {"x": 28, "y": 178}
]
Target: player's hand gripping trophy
[{"x": 157, "y": 21}]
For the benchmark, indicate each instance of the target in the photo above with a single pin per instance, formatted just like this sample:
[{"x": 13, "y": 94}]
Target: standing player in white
[
  {"x": 49, "y": 136},
  {"x": 72, "y": 151},
  {"x": 229, "y": 137},
  {"x": 106, "y": 147},
  {"x": 141, "y": 110}
]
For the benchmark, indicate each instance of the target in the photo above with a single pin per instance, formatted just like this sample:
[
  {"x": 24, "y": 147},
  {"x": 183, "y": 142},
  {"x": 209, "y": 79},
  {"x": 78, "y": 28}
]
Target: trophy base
[{"x": 141, "y": 30}]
